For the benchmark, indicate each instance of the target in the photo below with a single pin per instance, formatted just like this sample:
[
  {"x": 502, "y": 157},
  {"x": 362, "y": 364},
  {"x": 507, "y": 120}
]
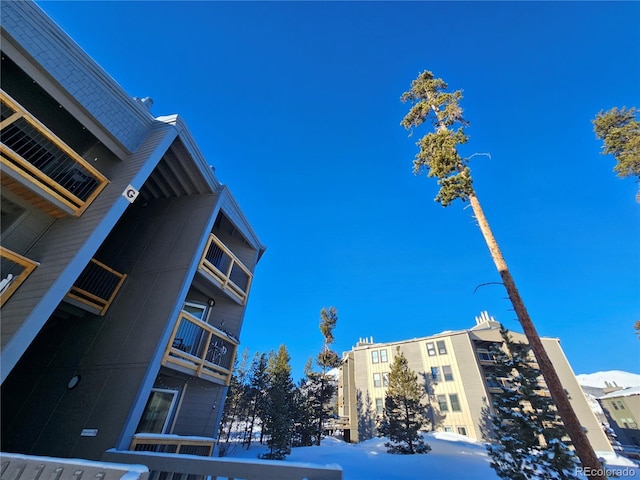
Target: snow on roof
[
  {"x": 610, "y": 378},
  {"x": 627, "y": 392}
]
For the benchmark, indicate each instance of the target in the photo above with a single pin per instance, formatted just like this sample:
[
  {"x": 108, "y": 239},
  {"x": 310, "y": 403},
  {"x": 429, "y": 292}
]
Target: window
[
  {"x": 197, "y": 310},
  {"x": 613, "y": 403},
  {"x": 448, "y": 429},
  {"x": 431, "y": 349},
  {"x": 157, "y": 413},
  {"x": 376, "y": 380},
  {"x": 621, "y": 405},
  {"x": 455, "y": 403},
  {"x": 190, "y": 337},
  {"x": 385, "y": 379},
  {"x": 374, "y": 356},
  {"x": 462, "y": 430},
  {"x": 442, "y": 403},
  {"x": 435, "y": 374},
  {"x": 383, "y": 356},
  {"x": 485, "y": 355},
  {"x": 442, "y": 348},
  {"x": 379, "y": 406},
  {"x": 448, "y": 374}
]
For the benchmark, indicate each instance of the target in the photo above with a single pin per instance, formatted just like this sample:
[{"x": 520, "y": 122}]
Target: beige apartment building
[
  {"x": 622, "y": 409},
  {"x": 455, "y": 368}
]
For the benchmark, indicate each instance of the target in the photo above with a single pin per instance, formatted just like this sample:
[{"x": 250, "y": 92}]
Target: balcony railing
[
  {"x": 35, "y": 154},
  {"x": 97, "y": 286},
  {"x": 496, "y": 385},
  {"x": 164, "y": 466},
  {"x": 201, "y": 349},
  {"x": 15, "y": 270},
  {"x": 485, "y": 357},
  {"x": 220, "y": 262},
  {"x": 147, "y": 442}
]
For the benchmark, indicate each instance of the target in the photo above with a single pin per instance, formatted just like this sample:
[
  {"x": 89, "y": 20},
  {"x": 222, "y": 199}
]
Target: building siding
[
  {"x": 76, "y": 73},
  {"x": 66, "y": 248}
]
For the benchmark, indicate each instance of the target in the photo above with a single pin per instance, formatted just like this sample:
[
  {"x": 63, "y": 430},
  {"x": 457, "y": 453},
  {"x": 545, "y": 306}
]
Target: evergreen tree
[
  {"x": 327, "y": 359},
  {"x": 278, "y": 422},
  {"x": 235, "y": 398},
  {"x": 256, "y": 394},
  {"x": 404, "y": 411},
  {"x": 525, "y": 421},
  {"x": 305, "y": 408},
  {"x": 439, "y": 157},
  {"x": 234, "y": 405},
  {"x": 620, "y": 131}
]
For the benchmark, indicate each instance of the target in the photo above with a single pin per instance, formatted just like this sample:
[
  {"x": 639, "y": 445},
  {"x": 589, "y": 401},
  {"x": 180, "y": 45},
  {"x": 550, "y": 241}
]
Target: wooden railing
[
  {"x": 201, "y": 349},
  {"x": 97, "y": 286},
  {"x": 36, "y": 154},
  {"x": 221, "y": 263},
  {"x": 15, "y": 270},
  {"x": 146, "y": 442}
]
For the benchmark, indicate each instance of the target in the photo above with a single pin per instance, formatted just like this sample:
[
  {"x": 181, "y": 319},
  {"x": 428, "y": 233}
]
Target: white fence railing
[
  {"x": 168, "y": 466},
  {"x": 14, "y": 466}
]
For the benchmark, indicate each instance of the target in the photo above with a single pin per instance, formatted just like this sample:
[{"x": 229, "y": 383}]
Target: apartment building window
[
  {"x": 455, "y": 403},
  {"x": 435, "y": 374},
  {"x": 621, "y": 405},
  {"x": 383, "y": 356},
  {"x": 448, "y": 373},
  {"x": 159, "y": 411},
  {"x": 442, "y": 348},
  {"x": 379, "y": 406},
  {"x": 448, "y": 429},
  {"x": 194, "y": 309},
  {"x": 374, "y": 356},
  {"x": 485, "y": 355},
  {"x": 377, "y": 382},
  {"x": 629, "y": 423},
  {"x": 431, "y": 349},
  {"x": 385, "y": 379},
  {"x": 613, "y": 403},
  {"x": 462, "y": 430},
  {"x": 442, "y": 403}
]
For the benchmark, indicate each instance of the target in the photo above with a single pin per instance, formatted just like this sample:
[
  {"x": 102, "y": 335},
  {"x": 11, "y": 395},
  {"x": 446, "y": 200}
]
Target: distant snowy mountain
[{"x": 612, "y": 378}]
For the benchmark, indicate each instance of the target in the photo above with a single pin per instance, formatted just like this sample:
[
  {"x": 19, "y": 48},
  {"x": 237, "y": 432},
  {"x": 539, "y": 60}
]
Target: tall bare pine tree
[{"x": 439, "y": 157}]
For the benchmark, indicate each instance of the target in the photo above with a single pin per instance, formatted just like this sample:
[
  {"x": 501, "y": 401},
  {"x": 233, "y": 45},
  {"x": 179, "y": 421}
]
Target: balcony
[
  {"x": 96, "y": 287},
  {"x": 15, "y": 270},
  {"x": 149, "y": 442},
  {"x": 34, "y": 157},
  {"x": 226, "y": 269},
  {"x": 485, "y": 357},
  {"x": 496, "y": 385},
  {"x": 200, "y": 349}
]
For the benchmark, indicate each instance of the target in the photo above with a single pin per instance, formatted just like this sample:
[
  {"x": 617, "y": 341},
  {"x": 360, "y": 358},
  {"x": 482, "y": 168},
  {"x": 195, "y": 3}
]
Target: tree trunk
[{"x": 583, "y": 448}]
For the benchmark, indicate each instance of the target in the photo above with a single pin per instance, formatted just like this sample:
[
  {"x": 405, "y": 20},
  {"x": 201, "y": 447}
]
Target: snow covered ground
[{"x": 453, "y": 457}]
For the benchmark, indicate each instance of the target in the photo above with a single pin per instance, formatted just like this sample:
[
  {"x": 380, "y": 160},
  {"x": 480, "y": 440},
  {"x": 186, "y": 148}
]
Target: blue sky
[{"x": 297, "y": 106}]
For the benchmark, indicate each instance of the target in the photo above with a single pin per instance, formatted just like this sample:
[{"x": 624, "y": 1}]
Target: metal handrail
[
  {"x": 201, "y": 348},
  {"x": 223, "y": 265},
  {"x": 97, "y": 286},
  {"x": 40, "y": 157}
]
